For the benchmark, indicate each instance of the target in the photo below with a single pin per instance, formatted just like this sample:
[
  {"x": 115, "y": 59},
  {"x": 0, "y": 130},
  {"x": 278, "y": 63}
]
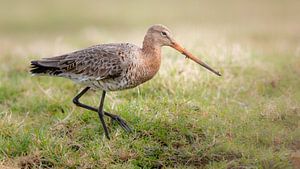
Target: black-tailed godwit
[{"x": 112, "y": 67}]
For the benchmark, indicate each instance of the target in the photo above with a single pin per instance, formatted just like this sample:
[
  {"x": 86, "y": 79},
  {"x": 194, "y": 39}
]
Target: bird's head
[{"x": 162, "y": 36}]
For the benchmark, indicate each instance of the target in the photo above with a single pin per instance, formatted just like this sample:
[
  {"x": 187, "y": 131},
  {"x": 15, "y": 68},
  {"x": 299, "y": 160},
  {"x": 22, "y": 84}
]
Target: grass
[{"x": 185, "y": 117}]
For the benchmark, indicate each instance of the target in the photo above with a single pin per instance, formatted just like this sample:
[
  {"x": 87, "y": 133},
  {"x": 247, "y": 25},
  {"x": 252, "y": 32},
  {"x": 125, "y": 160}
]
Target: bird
[{"x": 113, "y": 67}]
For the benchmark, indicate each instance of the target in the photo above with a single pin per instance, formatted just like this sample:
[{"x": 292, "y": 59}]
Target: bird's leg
[
  {"x": 100, "y": 110},
  {"x": 77, "y": 97},
  {"x": 120, "y": 121},
  {"x": 101, "y": 114}
]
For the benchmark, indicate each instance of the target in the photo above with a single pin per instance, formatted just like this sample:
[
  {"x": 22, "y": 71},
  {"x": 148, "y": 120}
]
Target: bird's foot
[{"x": 120, "y": 121}]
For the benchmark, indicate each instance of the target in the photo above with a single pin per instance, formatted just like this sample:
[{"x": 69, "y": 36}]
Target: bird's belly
[
  {"x": 117, "y": 83},
  {"x": 128, "y": 80},
  {"x": 111, "y": 84}
]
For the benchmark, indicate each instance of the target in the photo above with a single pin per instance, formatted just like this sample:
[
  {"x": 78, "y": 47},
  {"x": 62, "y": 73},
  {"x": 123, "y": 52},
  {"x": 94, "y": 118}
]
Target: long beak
[{"x": 176, "y": 46}]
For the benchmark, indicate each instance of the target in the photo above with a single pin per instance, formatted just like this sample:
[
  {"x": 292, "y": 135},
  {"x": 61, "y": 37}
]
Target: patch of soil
[
  {"x": 200, "y": 161},
  {"x": 34, "y": 161},
  {"x": 295, "y": 155},
  {"x": 295, "y": 159},
  {"x": 125, "y": 155},
  {"x": 8, "y": 167}
]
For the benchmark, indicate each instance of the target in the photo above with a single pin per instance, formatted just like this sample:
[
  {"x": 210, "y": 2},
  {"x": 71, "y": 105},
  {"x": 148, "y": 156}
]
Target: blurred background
[
  {"x": 248, "y": 118},
  {"x": 93, "y": 21},
  {"x": 44, "y": 28}
]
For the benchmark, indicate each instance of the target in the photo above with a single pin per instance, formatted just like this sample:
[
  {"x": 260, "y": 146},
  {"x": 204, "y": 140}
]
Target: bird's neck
[
  {"x": 151, "y": 50},
  {"x": 151, "y": 56},
  {"x": 150, "y": 46}
]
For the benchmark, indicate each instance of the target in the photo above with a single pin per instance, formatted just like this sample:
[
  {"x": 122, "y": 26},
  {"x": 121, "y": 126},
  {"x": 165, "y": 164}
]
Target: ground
[{"x": 185, "y": 117}]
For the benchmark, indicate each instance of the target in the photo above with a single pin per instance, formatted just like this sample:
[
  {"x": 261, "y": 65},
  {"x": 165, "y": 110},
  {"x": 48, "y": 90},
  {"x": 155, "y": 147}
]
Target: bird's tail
[{"x": 47, "y": 66}]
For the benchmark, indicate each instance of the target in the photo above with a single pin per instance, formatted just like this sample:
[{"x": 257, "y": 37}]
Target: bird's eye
[{"x": 163, "y": 33}]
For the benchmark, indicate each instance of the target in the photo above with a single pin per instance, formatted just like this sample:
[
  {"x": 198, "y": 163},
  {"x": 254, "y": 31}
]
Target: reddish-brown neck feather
[{"x": 151, "y": 56}]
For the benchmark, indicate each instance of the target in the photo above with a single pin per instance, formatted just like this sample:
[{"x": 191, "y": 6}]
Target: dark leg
[
  {"x": 120, "y": 121},
  {"x": 101, "y": 114}
]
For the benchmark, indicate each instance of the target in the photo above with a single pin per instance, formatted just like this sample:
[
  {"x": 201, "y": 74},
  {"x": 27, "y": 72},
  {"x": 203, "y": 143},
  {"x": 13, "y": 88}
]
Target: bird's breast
[
  {"x": 146, "y": 69},
  {"x": 137, "y": 71}
]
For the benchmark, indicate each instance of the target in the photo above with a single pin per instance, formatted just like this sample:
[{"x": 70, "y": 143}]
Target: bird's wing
[{"x": 97, "y": 62}]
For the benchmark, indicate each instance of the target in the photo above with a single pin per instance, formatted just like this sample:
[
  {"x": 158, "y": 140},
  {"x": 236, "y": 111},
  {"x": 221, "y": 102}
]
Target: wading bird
[{"x": 112, "y": 67}]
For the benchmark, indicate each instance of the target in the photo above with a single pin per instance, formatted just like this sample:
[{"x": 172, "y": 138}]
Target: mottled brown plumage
[
  {"x": 114, "y": 66},
  {"x": 110, "y": 67}
]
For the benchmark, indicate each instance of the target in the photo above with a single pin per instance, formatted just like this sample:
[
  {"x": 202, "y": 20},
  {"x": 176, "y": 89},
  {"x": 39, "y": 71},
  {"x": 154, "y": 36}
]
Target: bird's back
[{"x": 104, "y": 62}]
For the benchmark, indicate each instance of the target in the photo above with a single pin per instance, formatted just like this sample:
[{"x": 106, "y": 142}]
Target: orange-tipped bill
[{"x": 194, "y": 58}]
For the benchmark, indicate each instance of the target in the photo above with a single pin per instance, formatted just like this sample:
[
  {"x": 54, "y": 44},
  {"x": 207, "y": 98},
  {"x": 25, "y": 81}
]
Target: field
[{"x": 185, "y": 117}]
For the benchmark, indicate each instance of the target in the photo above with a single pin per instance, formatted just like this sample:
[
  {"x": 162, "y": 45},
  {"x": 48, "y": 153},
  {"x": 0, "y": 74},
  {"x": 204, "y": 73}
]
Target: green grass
[{"x": 186, "y": 117}]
